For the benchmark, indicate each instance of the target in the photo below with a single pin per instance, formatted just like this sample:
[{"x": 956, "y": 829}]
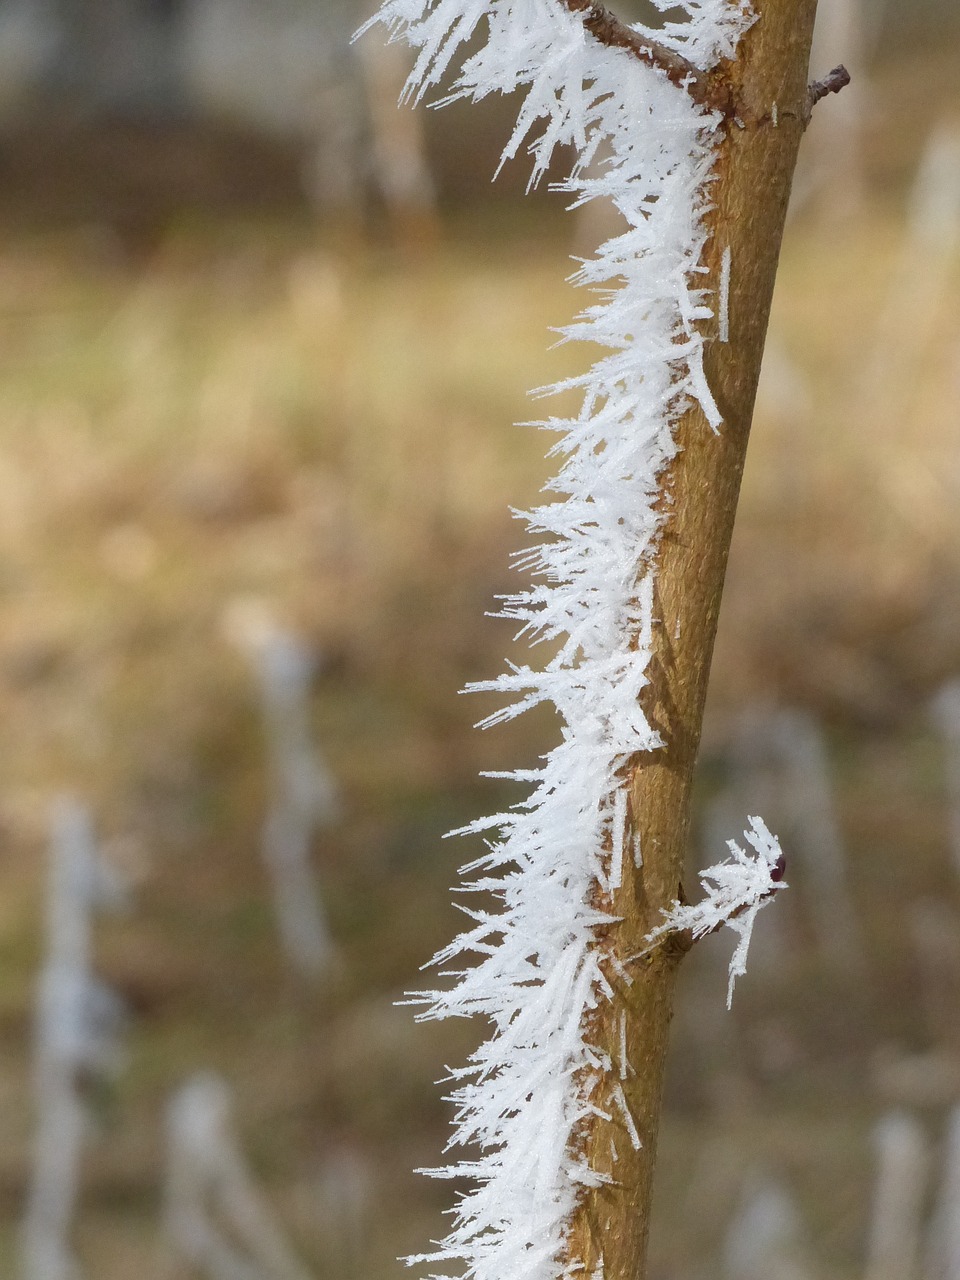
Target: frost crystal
[
  {"x": 533, "y": 967},
  {"x": 735, "y": 891}
]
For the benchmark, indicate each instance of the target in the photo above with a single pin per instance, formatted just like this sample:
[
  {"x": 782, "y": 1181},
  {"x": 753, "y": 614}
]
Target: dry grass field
[{"x": 250, "y": 421}]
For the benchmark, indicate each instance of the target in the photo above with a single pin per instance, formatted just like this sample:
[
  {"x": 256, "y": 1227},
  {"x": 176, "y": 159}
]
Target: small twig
[
  {"x": 680, "y": 941},
  {"x": 708, "y": 90},
  {"x": 832, "y": 82},
  {"x": 677, "y": 939}
]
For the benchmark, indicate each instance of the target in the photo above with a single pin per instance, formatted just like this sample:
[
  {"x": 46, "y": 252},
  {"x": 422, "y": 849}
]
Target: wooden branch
[{"x": 749, "y": 194}]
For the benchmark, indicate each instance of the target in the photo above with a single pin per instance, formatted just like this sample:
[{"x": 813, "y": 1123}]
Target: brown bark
[{"x": 768, "y": 82}]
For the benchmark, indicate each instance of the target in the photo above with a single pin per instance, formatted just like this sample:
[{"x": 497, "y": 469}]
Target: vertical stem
[
  {"x": 751, "y": 187},
  {"x": 896, "y": 1222}
]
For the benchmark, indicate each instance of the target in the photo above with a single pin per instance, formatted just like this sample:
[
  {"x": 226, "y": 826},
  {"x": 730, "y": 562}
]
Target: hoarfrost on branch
[
  {"x": 735, "y": 891},
  {"x": 533, "y": 967}
]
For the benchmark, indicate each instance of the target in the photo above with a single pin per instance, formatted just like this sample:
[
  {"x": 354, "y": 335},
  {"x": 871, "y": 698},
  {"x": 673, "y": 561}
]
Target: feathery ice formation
[
  {"x": 735, "y": 891},
  {"x": 522, "y": 1096}
]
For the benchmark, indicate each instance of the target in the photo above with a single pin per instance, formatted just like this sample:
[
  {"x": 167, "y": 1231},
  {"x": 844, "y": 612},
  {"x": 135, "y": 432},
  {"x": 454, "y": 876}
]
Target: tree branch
[
  {"x": 832, "y": 82},
  {"x": 748, "y": 196}
]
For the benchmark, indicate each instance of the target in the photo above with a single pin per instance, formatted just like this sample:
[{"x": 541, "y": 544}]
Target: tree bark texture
[{"x": 752, "y": 177}]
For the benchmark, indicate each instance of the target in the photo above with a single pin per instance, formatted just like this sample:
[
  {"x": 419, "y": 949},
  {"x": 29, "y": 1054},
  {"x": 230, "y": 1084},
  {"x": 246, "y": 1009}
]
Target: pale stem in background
[
  {"x": 303, "y": 796},
  {"x": 333, "y": 172},
  {"x": 76, "y": 1039},
  {"x": 216, "y": 1218},
  {"x": 398, "y": 146},
  {"x": 902, "y": 1160},
  {"x": 764, "y": 1241},
  {"x": 346, "y": 1206},
  {"x": 289, "y": 71}
]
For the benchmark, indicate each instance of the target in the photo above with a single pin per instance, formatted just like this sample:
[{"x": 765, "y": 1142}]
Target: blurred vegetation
[{"x": 202, "y": 414}]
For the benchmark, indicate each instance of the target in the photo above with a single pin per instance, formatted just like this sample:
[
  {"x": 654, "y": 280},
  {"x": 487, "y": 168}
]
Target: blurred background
[{"x": 264, "y": 341}]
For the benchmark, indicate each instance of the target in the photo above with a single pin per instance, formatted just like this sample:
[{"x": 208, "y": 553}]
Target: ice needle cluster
[
  {"x": 533, "y": 966},
  {"x": 735, "y": 891}
]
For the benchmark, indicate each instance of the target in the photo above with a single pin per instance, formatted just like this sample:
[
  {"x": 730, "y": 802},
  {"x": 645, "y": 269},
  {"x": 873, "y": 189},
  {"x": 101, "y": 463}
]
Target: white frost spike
[
  {"x": 736, "y": 890},
  {"x": 534, "y": 968},
  {"x": 725, "y": 265},
  {"x": 622, "y": 1106}
]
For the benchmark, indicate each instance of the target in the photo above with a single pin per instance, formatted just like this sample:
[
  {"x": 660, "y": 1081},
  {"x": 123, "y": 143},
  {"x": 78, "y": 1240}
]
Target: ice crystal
[
  {"x": 533, "y": 967},
  {"x": 735, "y": 891}
]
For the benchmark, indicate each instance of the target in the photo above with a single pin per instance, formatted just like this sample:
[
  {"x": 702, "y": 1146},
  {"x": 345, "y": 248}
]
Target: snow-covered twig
[
  {"x": 648, "y": 104},
  {"x": 735, "y": 891}
]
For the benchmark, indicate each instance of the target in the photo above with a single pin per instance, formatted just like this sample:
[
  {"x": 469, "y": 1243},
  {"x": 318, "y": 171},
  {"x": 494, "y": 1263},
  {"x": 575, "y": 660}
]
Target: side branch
[
  {"x": 709, "y": 89},
  {"x": 832, "y": 82},
  {"x": 706, "y": 89}
]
